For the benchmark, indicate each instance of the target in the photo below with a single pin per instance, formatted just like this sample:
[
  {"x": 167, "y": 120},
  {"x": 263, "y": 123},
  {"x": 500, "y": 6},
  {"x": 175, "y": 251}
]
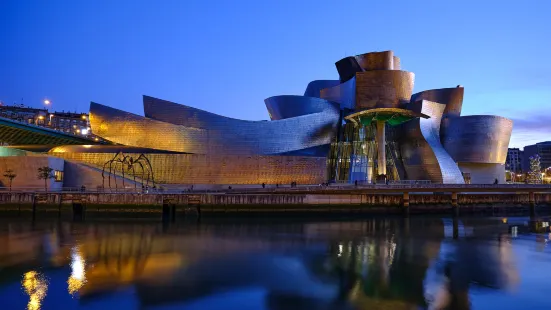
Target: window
[{"x": 58, "y": 176}]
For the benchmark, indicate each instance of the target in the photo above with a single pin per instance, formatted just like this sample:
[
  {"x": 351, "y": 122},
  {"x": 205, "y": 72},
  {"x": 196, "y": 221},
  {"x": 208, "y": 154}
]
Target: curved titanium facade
[
  {"x": 451, "y": 97},
  {"x": 288, "y": 106},
  {"x": 344, "y": 94},
  {"x": 377, "y": 61},
  {"x": 178, "y": 128},
  {"x": 112, "y": 149},
  {"x": 178, "y": 114},
  {"x": 423, "y": 155},
  {"x": 314, "y": 88},
  {"x": 479, "y": 139},
  {"x": 347, "y": 68},
  {"x": 383, "y": 89}
]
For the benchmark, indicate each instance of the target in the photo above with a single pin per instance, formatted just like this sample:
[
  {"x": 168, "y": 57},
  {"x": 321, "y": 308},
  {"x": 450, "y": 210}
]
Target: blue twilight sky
[{"x": 228, "y": 56}]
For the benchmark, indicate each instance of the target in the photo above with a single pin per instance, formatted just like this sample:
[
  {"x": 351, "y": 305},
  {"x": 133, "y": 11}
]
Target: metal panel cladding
[
  {"x": 344, "y": 94},
  {"x": 347, "y": 68},
  {"x": 288, "y": 106},
  {"x": 179, "y": 128},
  {"x": 314, "y": 88},
  {"x": 451, "y": 97},
  {"x": 383, "y": 89},
  {"x": 423, "y": 155},
  {"x": 377, "y": 61},
  {"x": 479, "y": 139}
]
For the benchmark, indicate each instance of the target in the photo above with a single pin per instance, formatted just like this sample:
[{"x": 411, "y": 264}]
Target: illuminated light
[
  {"x": 84, "y": 131},
  {"x": 96, "y": 139},
  {"x": 78, "y": 130},
  {"x": 78, "y": 271},
  {"x": 87, "y": 146},
  {"x": 504, "y": 220},
  {"x": 46, "y": 101},
  {"x": 40, "y": 117},
  {"x": 36, "y": 286},
  {"x": 84, "y": 117},
  {"x": 51, "y": 115}
]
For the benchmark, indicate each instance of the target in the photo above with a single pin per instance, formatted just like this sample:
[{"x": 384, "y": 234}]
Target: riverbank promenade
[{"x": 385, "y": 199}]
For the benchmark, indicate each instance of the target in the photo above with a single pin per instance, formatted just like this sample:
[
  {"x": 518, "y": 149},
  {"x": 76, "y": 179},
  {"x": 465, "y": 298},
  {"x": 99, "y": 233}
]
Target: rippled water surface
[{"x": 395, "y": 263}]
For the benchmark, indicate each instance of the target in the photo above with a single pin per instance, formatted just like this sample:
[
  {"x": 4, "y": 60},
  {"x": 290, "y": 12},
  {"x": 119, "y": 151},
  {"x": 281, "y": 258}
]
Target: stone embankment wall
[{"x": 289, "y": 199}]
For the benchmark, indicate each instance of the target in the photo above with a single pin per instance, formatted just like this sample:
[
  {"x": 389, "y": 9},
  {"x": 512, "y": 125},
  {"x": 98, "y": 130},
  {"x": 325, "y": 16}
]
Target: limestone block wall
[
  {"x": 484, "y": 173},
  {"x": 26, "y": 168}
]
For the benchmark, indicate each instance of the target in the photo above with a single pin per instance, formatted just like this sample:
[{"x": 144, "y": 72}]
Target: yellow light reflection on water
[
  {"x": 78, "y": 274},
  {"x": 36, "y": 286}
]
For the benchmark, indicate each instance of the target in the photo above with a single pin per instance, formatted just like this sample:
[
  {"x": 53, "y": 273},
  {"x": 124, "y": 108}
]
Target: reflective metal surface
[
  {"x": 220, "y": 168},
  {"x": 377, "y": 61},
  {"x": 175, "y": 127},
  {"x": 451, "y": 97},
  {"x": 288, "y": 106},
  {"x": 344, "y": 94},
  {"x": 383, "y": 89},
  {"x": 479, "y": 139},
  {"x": 424, "y": 156},
  {"x": 347, "y": 68},
  {"x": 314, "y": 88},
  {"x": 310, "y": 125}
]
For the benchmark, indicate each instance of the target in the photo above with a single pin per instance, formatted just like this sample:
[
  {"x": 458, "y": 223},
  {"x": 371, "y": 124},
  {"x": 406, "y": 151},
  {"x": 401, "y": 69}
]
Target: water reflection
[
  {"x": 432, "y": 263},
  {"x": 78, "y": 273},
  {"x": 36, "y": 286}
]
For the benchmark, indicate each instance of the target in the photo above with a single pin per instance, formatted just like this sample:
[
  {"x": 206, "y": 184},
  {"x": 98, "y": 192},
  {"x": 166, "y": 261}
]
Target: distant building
[
  {"x": 513, "y": 162},
  {"x": 24, "y": 114},
  {"x": 67, "y": 122},
  {"x": 543, "y": 149},
  {"x": 75, "y": 123}
]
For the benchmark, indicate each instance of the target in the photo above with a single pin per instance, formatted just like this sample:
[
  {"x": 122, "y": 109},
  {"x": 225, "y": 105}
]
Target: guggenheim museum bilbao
[{"x": 367, "y": 126}]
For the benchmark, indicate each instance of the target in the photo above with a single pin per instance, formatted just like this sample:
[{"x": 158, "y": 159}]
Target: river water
[{"x": 374, "y": 263}]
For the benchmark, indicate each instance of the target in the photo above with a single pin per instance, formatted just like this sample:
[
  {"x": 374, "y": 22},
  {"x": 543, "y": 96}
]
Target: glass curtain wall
[{"x": 353, "y": 155}]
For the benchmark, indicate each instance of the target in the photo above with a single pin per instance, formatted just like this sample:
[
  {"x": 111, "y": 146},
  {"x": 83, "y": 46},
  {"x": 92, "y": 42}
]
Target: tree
[
  {"x": 10, "y": 175},
  {"x": 45, "y": 173},
  {"x": 534, "y": 176}
]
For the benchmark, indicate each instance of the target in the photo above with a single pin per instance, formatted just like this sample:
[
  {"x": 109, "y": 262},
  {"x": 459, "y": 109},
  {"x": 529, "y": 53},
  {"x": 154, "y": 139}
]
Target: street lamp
[{"x": 47, "y": 102}]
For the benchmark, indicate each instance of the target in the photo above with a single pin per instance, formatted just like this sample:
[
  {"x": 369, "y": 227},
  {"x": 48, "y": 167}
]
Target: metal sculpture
[{"x": 127, "y": 165}]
